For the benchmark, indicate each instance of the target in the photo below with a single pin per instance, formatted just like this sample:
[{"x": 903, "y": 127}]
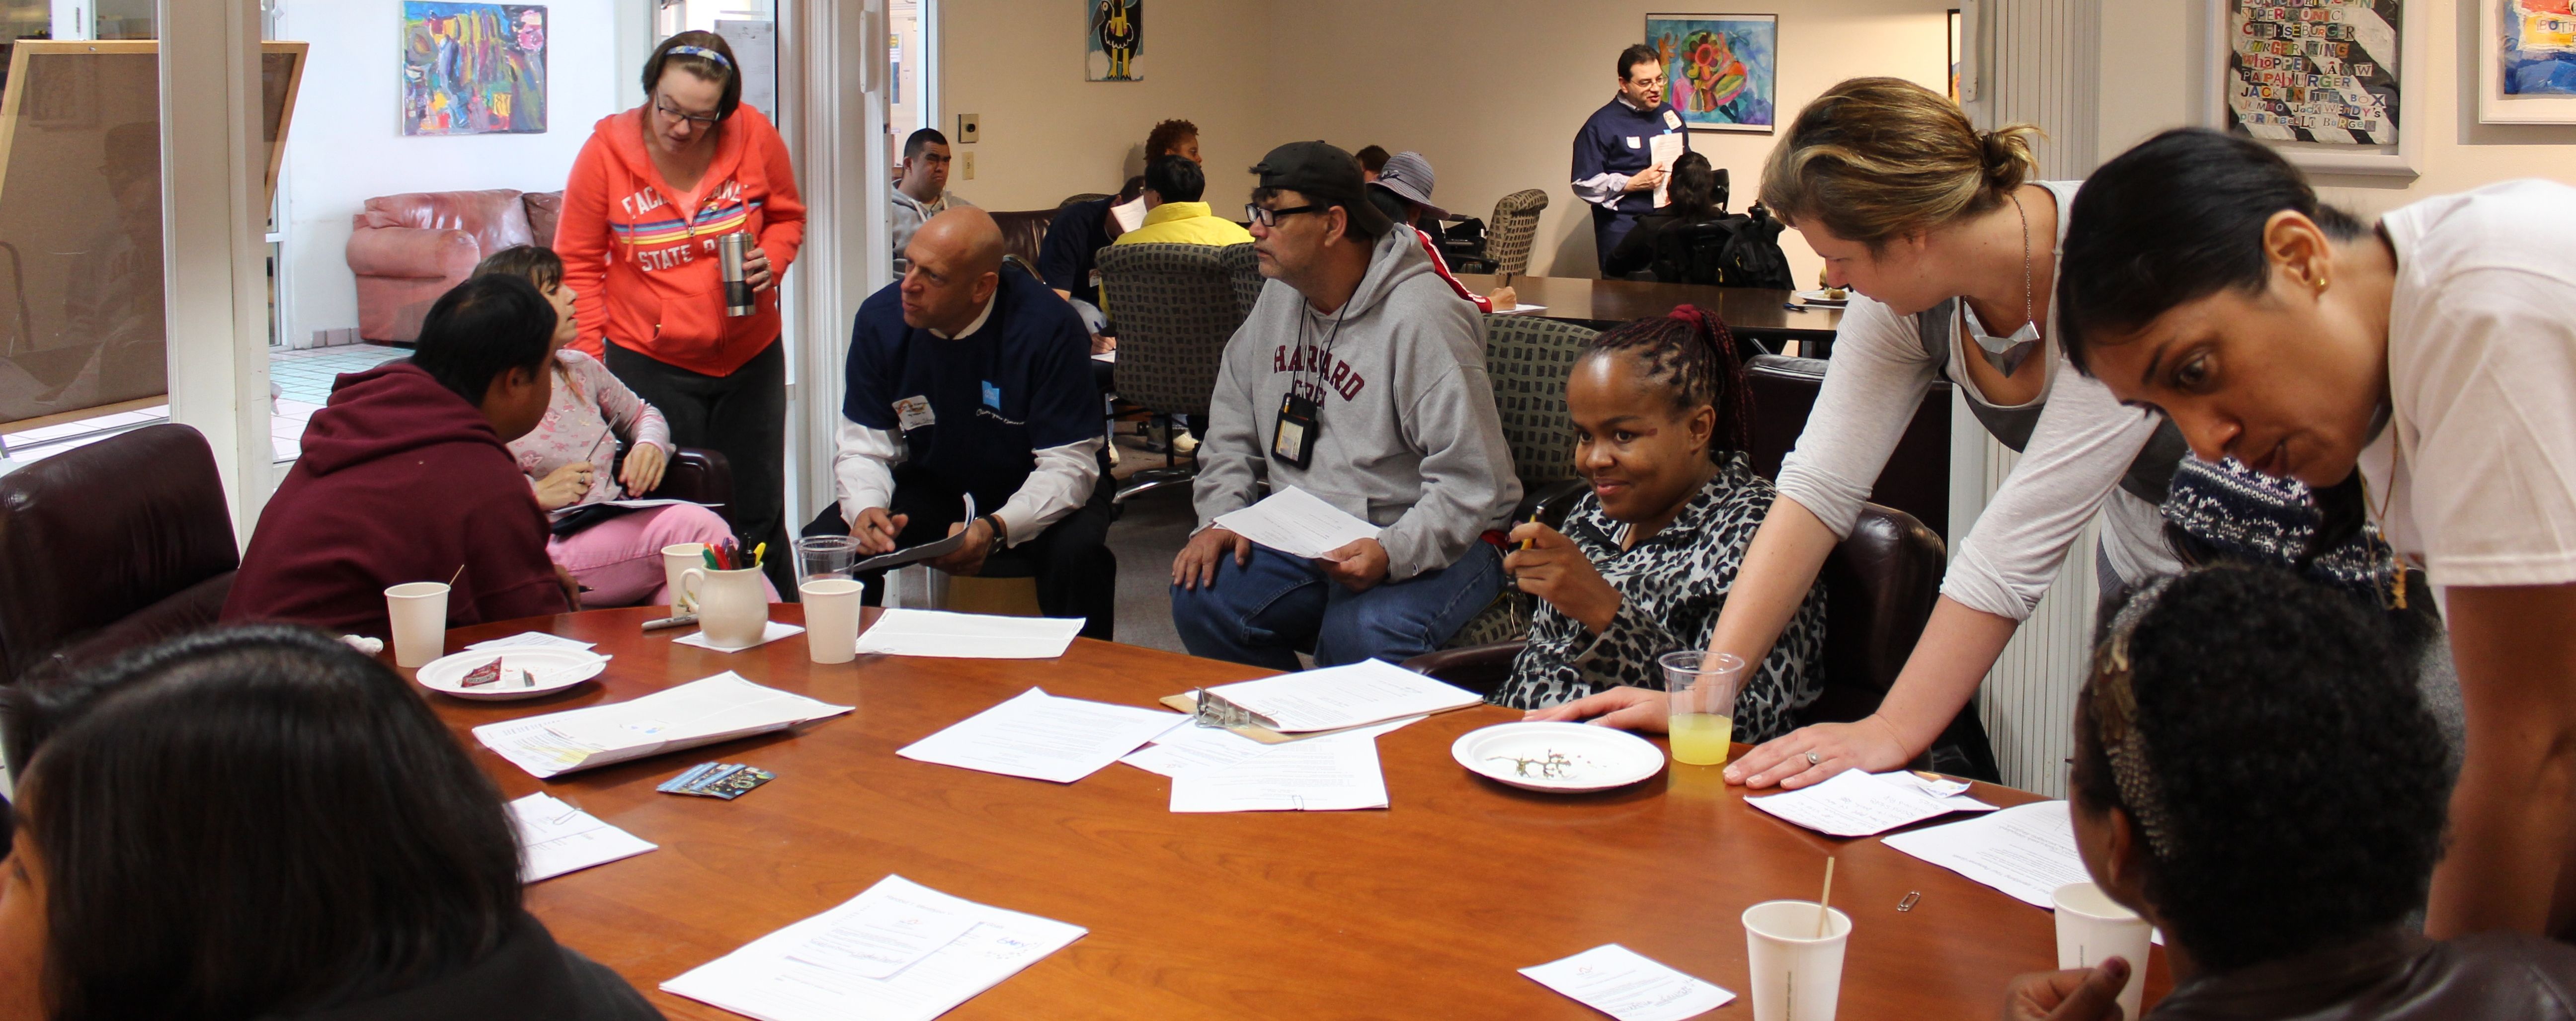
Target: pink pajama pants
[{"x": 620, "y": 559}]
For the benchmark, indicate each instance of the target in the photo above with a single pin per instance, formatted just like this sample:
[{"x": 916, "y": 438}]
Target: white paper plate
[
  {"x": 1558, "y": 756},
  {"x": 556, "y": 669},
  {"x": 1818, "y": 297}
]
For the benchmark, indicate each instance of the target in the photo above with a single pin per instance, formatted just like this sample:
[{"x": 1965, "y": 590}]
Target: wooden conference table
[
  {"x": 1421, "y": 910},
  {"x": 1756, "y": 313}
]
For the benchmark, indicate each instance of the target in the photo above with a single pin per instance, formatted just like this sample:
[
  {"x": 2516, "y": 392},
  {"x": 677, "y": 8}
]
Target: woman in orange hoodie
[{"x": 654, "y": 190}]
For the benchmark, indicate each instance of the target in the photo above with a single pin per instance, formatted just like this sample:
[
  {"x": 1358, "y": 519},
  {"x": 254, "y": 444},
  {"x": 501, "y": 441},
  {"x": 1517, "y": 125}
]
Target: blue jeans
[{"x": 1262, "y": 613}]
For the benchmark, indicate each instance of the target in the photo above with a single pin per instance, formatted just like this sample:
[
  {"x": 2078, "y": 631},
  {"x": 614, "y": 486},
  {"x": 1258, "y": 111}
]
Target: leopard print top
[{"x": 1671, "y": 587}]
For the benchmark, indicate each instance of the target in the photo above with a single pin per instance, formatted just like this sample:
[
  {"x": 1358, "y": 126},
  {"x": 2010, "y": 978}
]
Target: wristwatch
[{"x": 1001, "y": 535}]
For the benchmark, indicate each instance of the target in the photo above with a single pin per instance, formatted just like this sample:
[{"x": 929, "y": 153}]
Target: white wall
[
  {"x": 1047, "y": 133},
  {"x": 347, "y": 148},
  {"x": 2146, "y": 53},
  {"x": 1493, "y": 98}
]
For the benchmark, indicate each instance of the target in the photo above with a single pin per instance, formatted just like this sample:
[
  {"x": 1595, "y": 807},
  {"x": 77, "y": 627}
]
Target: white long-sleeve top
[{"x": 2070, "y": 469}]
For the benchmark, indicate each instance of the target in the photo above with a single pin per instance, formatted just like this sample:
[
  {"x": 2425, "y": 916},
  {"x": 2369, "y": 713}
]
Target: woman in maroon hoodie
[
  {"x": 407, "y": 476},
  {"x": 652, "y": 194}
]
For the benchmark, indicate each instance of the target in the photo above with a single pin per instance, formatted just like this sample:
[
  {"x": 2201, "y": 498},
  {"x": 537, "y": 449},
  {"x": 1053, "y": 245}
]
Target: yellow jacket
[{"x": 1187, "y": 223}]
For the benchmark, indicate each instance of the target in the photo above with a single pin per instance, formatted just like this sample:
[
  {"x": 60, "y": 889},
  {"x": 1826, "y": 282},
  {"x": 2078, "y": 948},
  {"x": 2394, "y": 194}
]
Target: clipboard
[
  {"x": 1188, "y": 702},
  {"x": 931, "y": 550}
]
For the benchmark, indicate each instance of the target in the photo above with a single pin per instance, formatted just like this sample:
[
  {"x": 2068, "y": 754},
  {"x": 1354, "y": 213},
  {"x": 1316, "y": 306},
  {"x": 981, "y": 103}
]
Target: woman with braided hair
[
  {"x": 1662, "y": 420},
  {"x": 1952, "y": 248},
  {"x": 2256, "y": 774}
]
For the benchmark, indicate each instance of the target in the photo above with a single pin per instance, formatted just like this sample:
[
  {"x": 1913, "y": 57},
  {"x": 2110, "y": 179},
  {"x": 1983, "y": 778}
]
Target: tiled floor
[{"x": 303, "y": 381}]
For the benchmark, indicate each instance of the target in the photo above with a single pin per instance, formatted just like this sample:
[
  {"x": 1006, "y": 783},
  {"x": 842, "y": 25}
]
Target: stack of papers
[
  {"x": 2027, "y": 851},
  {"x": 719, "y": 708},
  {"x": 1858, "y": 804},
  {"x": 531, "y": 640},
  {"x": 1188, "y": 746},
  {"x": 901, "y": 632},
  {"x": 1628, "y": 985},
  {"x": 1370, "y": 691},
  {"x": 1043, "y": 737},
  {"x": 1334, "y": 772},
  {"x": 555, "y": 838},
  {"x": 899, "y": 952},
  {"x": 1297, "y": 523}
]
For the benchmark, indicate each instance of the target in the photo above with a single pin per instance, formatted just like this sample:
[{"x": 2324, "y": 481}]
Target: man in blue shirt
[
  {"x": 1614, "y": 166},
  {"x": 969, "y": 378}
]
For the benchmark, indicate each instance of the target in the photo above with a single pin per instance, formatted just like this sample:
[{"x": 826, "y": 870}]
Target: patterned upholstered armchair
[
  {"x": 1528, "y": 359},
  {"x": 1515, "y": 224},
  {"x": 1177, "y": 306}
]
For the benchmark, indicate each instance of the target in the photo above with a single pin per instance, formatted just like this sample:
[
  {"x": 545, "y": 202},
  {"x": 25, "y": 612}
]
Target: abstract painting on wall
[
  {"x": 1113, "y": 36},
  {"x": 473, "y": 69},
  {"x": 1720, "y": 70},
  {"x": 2529, "y": 62}
]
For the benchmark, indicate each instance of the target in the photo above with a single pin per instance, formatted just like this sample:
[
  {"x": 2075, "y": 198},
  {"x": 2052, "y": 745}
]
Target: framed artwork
[
  {"x": 473, "y": 69},
  {"x": 2526, "y": 62},
  {"x": 1113, "y": 36},
  {"x": 1954, "y": 54},
  {"x": 2330, "y": 84},
  {"x": 1721, "y": 70}
]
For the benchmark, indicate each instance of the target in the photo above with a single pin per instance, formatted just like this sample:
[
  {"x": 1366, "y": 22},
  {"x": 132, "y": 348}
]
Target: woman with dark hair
[
  {"x": 2418, "y": 374},
  {"x": 261, "y": 823},
  {"x": 1662, "y": 420},
  {"x": 1697, "y": 197},
  {"x": 2255, "y": 774},
  {"x": 651, "y": 197},
  {"x": 1951, "y": 248}
]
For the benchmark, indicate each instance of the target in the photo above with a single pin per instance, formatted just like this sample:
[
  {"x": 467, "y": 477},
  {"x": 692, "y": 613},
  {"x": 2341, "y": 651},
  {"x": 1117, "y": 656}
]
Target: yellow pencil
[
  {"x": 1526, "y": 543},
  {"x": 758, "y": 552}
]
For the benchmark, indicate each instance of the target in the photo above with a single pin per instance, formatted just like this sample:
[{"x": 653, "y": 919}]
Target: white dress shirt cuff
[
  {"x": 863, "y": 468},
  {"x": 1058, "y": 485}
]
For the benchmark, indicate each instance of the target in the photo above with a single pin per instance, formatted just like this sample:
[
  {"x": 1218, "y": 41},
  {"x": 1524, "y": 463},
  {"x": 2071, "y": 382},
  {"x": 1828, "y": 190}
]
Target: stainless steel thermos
[{"x": 731, "y": 249}]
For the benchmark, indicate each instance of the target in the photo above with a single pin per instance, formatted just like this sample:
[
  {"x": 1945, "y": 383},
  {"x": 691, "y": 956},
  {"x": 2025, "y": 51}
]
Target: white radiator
[{"x": 2041, "y": 65}]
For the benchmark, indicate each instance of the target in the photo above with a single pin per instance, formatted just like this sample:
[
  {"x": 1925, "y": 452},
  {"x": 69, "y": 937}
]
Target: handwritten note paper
[
  {"x": 1628, "y": 985},
  {"x": 1857, "y": 804},
  {"x": 556, "y": 838}
]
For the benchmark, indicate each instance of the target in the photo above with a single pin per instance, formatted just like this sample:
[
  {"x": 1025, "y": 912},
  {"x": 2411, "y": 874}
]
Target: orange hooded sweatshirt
[{"x": 648, "y": 278}]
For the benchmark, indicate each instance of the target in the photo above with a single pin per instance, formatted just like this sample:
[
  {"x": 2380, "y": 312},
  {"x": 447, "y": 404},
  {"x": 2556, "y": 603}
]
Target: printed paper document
[
  {"x": 1190, "y": 746},
  {"x": 703, "y": 712},
  {"x": 1628, "y": 985},
  {"x": 901, "y": 632},
  {"x": 531, "y": 640},
  {"x": 1042, "y": 737},
  {"x": 1297, "y": 523},
  {"x": 1369, "y": 691},
  {"x": 1857, "y": 804},
  {"x": 820, "y": 969},
  {"x": 1663, "y": 150},
  {"x": 555, "y": 838},
  {"x": 2027, "y": 851},
  {"x": 1335, "y": 772}
]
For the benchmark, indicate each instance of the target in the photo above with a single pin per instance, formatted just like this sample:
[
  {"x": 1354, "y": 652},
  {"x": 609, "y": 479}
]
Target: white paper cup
[
  {"x": 676, "y": 558},
  {"x": 419, "y": 612},
  {"x": 831, "y": 619},
  {"x": 1797, "y": 976},
  {"x": 2091, "y": 928}
]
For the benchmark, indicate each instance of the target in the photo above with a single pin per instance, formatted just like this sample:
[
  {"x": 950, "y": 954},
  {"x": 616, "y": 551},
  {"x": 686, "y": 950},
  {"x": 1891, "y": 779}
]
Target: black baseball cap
[{"x": 1325, "y": 175}]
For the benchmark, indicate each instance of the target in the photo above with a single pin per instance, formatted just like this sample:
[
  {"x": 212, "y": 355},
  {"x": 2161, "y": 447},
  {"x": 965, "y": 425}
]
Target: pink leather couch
[{"x": 408, "y": 249}]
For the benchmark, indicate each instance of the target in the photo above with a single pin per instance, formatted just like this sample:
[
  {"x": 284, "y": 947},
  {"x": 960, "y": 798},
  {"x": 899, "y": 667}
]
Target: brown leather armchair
[
  {"x": 1916, "y": 479},
  {"x": 406, "y": 250},
  {"x": 116, "y": 544},
  {"x": 698, "y": 476},
  {"x": 1024, "y": 232}
]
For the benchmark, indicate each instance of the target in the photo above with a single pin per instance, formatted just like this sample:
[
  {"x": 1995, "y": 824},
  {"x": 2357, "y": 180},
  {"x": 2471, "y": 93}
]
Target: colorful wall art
[
  {"x": 473, "y": 69},
  {"x": 1721, "y": 69}
]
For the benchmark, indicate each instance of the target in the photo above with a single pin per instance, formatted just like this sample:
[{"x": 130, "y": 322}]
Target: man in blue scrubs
[
  {"x": 969, "y": 378},
  {"x": 1614, "y": 170}
]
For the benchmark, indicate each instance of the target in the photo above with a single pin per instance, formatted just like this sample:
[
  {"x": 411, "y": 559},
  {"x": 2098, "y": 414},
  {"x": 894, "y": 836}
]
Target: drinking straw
[{"x": 1822, "y": 898}]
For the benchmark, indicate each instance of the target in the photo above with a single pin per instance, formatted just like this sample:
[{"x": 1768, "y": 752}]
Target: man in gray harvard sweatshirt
[{"x": 1359, "y": 378}]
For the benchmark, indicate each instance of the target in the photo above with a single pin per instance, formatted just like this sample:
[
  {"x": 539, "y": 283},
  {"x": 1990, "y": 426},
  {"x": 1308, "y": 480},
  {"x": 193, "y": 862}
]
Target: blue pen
[{"x": 1794, "y": 306}]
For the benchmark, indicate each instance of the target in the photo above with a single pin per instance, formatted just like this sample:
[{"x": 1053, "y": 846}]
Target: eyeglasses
[
  {"x": 1254, "y": 212},
  {"x": 696, "y": 120}
]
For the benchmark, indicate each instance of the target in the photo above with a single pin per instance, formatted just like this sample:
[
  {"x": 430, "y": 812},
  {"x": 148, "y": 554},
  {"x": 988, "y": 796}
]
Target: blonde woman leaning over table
[
  {"x": 1952, "y": 253},
  {"x": 568, "y": 457},
  {"x": 2423, "y": 372}
]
